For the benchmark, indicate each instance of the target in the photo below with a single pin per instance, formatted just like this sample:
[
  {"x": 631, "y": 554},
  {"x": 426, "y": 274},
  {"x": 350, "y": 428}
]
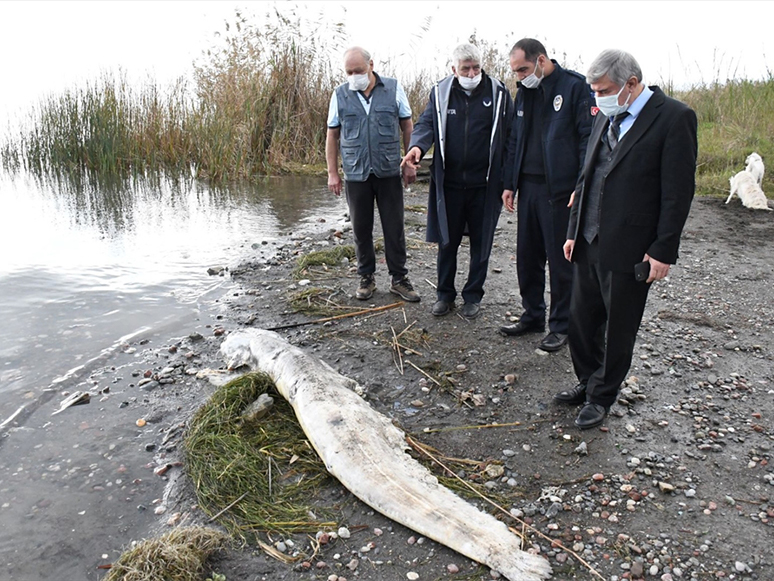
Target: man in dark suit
[{"x": 637, "y": 186}]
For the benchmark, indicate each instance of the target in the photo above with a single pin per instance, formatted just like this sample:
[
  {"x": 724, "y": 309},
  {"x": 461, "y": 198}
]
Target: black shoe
[
  {"x": 441, "y": 308},
  {"x": 591, "y": 416},
  {"x": 521, "y": 328},
  {"x": 470, "y": 310},
  {"x": 553, "y": 342},
  {"x": 574, "y": 396}
]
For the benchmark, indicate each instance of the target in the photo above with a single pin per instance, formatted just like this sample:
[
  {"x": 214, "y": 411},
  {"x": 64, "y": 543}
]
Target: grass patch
[
  {"x": 179, "y": 555},
  {"x": 318, "y": 301},
  {"x": 735, "y": 119},
  {"x": 328, "y": 257},
  {"x": 265, "y": 471}
]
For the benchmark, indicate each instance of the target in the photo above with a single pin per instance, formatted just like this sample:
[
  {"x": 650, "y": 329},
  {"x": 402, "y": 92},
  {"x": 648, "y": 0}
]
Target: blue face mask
[{"x": 609, "y": 104}]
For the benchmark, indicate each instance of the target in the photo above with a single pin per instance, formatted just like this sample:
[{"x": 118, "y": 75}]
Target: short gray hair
[
  {"x": 364, "y": 53},
  {"x": 619, "y": 65},
  {"x": 466, "y": 52}
]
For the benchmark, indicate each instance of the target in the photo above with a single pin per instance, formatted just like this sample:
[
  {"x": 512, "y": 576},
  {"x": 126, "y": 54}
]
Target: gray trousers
[{"x": 388, "y": 194}]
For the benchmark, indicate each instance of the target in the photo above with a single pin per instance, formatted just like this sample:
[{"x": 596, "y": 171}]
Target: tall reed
[
  {"x": 257, "y": 104},
  {"x": 258, "y": 101},
  {"x": 735, "y": 119}
]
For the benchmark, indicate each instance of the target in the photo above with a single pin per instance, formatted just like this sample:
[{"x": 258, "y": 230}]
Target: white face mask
[
  {"x": 609, "y": 104},
  {"x": 358, "y": 82},
  {"x": 469, "y": 84},
  {"x": 532, "y": 81}
]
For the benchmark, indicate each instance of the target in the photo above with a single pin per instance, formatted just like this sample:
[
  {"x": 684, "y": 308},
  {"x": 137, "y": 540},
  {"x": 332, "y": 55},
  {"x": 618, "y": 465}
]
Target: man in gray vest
[{"x": 365, "y": 119}]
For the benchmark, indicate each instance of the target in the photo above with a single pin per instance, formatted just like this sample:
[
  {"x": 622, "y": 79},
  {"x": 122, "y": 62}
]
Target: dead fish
[
  {"x": 75, "y": 398},
  {"x": 367, "y": 454}
]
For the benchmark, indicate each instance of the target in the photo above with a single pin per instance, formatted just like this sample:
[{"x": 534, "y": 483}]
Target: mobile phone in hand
[{"x": 642, "y": 271}]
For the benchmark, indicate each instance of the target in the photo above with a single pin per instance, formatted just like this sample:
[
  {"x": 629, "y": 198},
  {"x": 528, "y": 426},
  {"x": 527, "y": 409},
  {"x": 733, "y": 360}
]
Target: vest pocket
[{"x": 350, "y": 127}]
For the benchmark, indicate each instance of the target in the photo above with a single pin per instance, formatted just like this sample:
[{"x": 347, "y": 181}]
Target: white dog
[
  {"x": 755, "y": 167},
  {"x": 746, "y": 187}
]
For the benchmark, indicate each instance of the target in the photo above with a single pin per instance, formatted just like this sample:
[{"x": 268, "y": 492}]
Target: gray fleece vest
[{"x": 369, "y": 143}]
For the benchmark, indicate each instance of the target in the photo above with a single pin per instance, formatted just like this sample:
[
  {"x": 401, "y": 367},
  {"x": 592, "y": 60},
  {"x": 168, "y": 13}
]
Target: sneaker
[
  {"x": 367, "y": 287},
  {"x": 404, "y": 289}
]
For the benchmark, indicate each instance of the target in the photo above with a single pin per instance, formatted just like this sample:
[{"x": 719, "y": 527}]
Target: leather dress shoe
[
  {"x": 521, "y": 328},
  {"x": 591, "y": 416},
  {"x": 441, "y": 308},
  {"x": 470, "y": 310},
  {"x": 553, "y": 342},
  {"x": 574, "y": 396}
]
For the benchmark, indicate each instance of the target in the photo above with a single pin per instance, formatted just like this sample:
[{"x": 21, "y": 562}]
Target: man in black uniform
[
  {"x": 546, "y": 150},
  {"x": 467, "y": 119}
]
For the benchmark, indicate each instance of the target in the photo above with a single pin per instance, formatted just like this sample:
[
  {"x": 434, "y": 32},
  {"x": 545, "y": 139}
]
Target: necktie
[{"x": 614, "y": 130}]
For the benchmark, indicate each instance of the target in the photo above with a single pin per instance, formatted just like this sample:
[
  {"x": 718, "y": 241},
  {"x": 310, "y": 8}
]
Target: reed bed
[
  {"x": 257, "y": 105},
  {"x": 735, "y": 119},
  {"x": 253, "y": 476},
  {"x": 257, "y": 102},
  {"x": 179, "y": 555}
]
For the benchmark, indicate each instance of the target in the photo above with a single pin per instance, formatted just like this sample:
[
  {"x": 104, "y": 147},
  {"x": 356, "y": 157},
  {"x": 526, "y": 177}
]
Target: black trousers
[
  {"x": 464, "y": 207},
  {"x": 542, "y": 231},
  {"x": 388, "y": 194},
  {"x": 605, "y": 315}
]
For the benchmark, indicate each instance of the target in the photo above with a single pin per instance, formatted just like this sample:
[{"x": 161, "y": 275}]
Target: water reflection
[{"x": 85, "y": 263}]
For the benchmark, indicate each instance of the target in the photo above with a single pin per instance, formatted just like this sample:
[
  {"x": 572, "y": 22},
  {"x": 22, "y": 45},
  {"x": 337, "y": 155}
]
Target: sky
[{"x": 50, "y": 46}]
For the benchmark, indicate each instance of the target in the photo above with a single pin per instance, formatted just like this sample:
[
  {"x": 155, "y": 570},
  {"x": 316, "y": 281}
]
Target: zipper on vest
[{"x": 465, "y": 142}]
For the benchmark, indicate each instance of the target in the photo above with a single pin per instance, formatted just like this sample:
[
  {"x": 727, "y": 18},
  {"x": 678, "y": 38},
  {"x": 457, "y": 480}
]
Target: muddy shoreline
[{"x": 677, "y": 485}]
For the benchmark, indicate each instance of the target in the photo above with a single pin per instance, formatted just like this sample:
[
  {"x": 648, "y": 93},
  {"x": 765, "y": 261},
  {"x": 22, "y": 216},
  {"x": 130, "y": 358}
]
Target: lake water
[{"x": 85, "y": 267}]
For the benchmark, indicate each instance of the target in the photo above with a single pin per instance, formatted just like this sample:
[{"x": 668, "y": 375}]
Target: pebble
[
  {"x": 344, "y": 533},
  {"x": 452, "y": 568},
  {"x": 412, "y": 576},
  {"x": 494, "y": 470},
  {"x": 665, "y": 487}
]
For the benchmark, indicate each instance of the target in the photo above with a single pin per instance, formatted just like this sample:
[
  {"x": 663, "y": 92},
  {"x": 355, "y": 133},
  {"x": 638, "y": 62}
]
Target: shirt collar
[{"x": 635, "y": 108}]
